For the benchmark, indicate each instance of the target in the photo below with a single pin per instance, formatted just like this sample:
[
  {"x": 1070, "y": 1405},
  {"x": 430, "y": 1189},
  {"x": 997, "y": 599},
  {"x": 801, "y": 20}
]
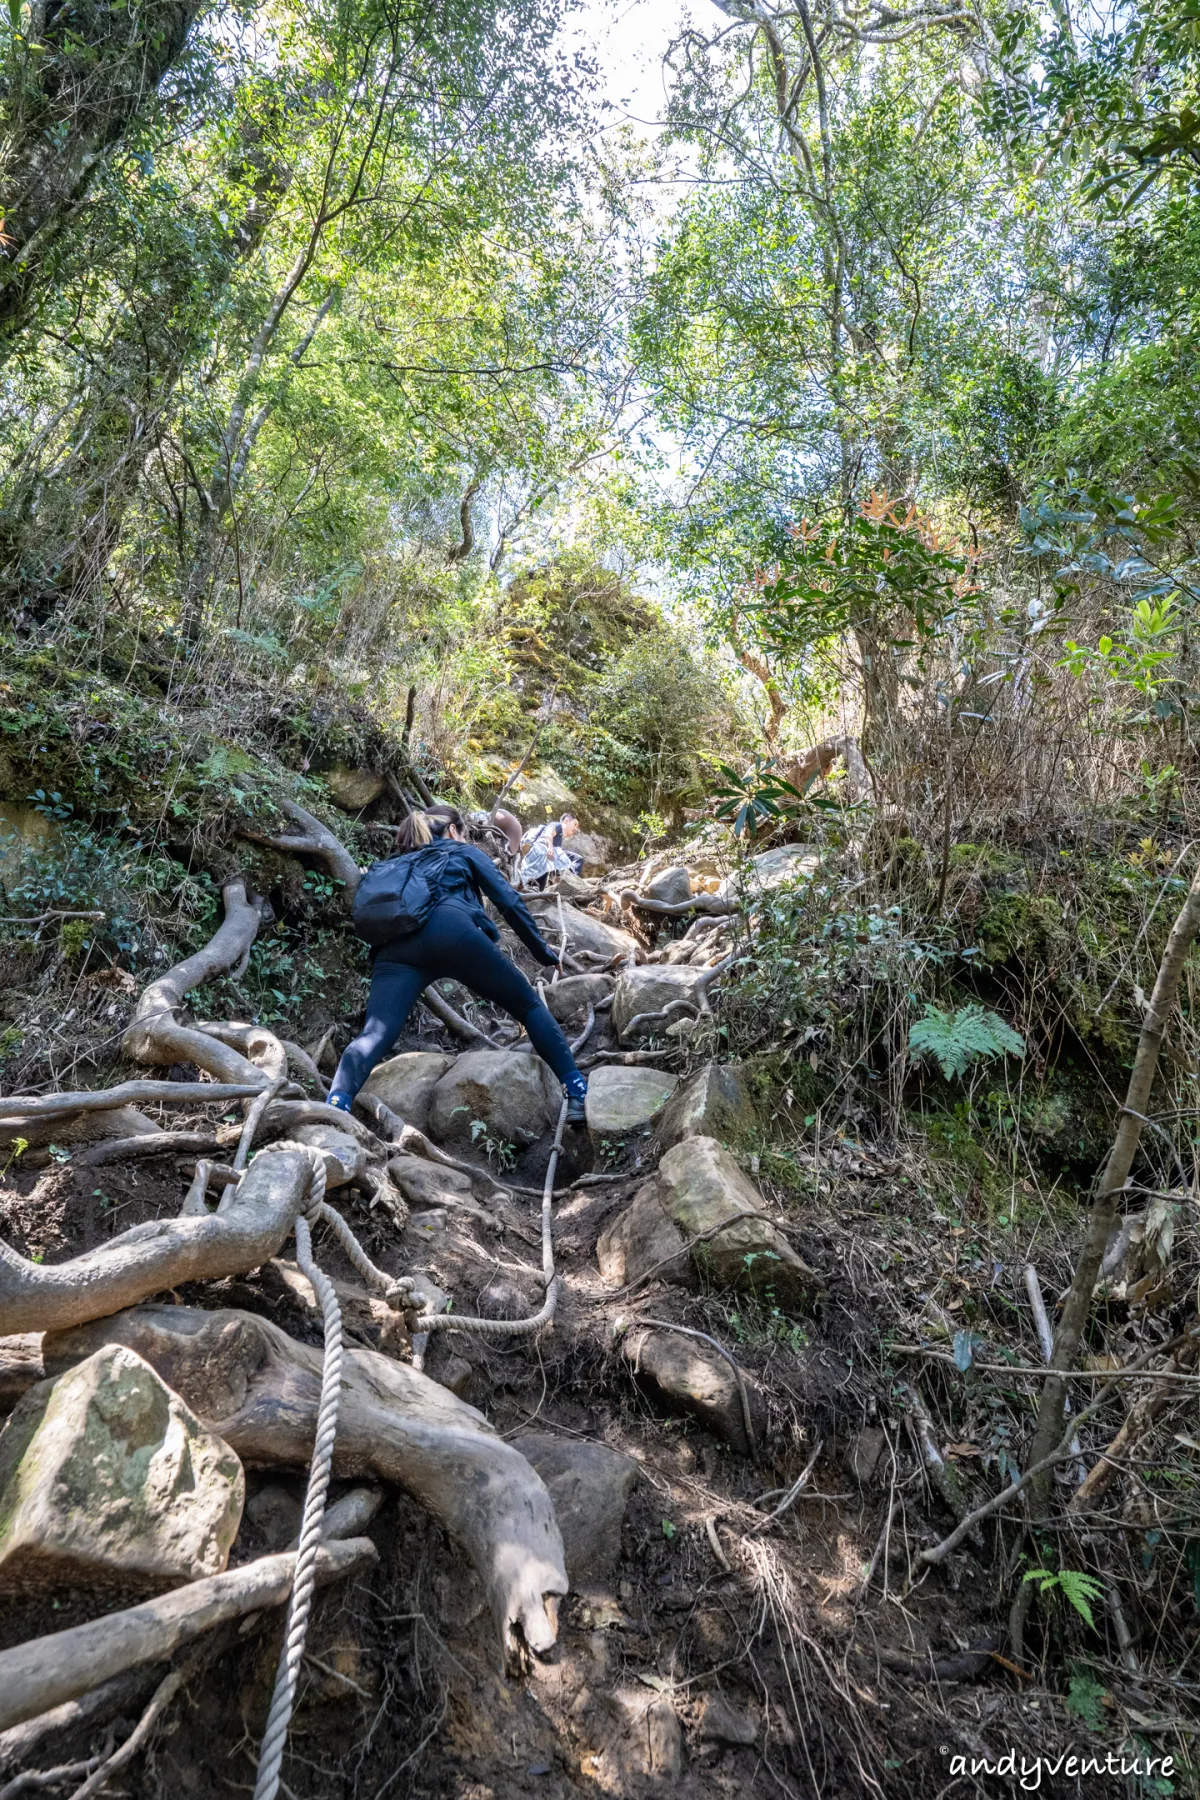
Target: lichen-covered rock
[
  {"x": 108, "y": 1479},
  {"x": 622, "y": 1100},
  {"x": 714, "y": 1103},
  {"x": 642, "y": 1239},
  {"x": 590, "y": 1486},
  {"x": 698, "y": 1379},
  {"x": 672, "y": 887},
  {"x": 699, "y": 1216},
  {"x": 406, "y": 1083},
  {"x": 570, "y": 997},
  {"x": 651, "y": 989},
  {"x": 511, "y": 1096},
  {"x": 352, "y": 789}
]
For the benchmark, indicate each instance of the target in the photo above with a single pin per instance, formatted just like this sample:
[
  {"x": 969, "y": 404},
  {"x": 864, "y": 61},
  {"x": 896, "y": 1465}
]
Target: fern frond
[{"x": 958, "y": 1039}]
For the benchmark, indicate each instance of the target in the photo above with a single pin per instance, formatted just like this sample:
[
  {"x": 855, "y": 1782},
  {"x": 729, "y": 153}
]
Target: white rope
[{"x": 270, "y": 1759}]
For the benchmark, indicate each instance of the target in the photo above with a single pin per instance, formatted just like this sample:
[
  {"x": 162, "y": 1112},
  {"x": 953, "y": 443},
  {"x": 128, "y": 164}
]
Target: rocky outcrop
[
  {"x": 623, "y": 1100},
  {"x": 590, "y": 1486},
  {"x": 714, "y": 1103},
  {"x": 673, "y": 887},
  {"x": 570, "y": 997},
  {"x": 596, "y": 851},
  {"x": 650, "y": 990},
  {"x": 721, "y": 1723},
  {"x": 510, "y": 1096},
  {"x": 697, "y": 1379},
  {"x": 700, "y": 1217},
  {"x": 771, "y": 868},
  {"x": 586, "y": 934},
  {"x": 428, "y": 1184},
  {"x": 406, "y": 1083},
  {"x": 108, "y": 1479}
]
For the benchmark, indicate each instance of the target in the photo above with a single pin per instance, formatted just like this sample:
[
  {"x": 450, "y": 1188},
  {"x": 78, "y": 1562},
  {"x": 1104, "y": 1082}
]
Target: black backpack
[{"x": 396, "y": 897}]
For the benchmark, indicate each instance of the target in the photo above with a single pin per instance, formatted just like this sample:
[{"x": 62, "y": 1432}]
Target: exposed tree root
[
  {"x": 155, "y": 1035},
  {"x": 314, "y": 839},
  {"x": 163, "y": 1143},
  {"x": 706, "y": 905},
  {"x": 248, "y": 1381},
  {"x": 158, "y": 1255},
  {"x": 27, "y": 1109},
  {"x": 453, "y": 1021}
]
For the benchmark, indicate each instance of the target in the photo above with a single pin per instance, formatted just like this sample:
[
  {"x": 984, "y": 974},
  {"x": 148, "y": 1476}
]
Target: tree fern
[{"x": 961, "y": 1038}]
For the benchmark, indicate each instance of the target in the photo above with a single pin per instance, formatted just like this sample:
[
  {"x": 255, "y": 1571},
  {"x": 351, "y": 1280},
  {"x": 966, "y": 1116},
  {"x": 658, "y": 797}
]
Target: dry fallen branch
[
  {"x": 706, "y": 905},
  {"x": 160, "y": 1254},
  {"x": 1138, "y": 1423},
  {"x": 259, "y": 1390},
  {"x": 123, "y": 1694},
  {"x": 162, "y": 1697},
  {"x": 1060, "y": 1452},
  {"x": 45, "y": 1672},
  {"x": 453, "y": 1021}
]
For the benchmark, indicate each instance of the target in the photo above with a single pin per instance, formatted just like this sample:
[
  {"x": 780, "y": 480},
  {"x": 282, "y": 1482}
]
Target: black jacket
[{"x": 459, "y": 875}]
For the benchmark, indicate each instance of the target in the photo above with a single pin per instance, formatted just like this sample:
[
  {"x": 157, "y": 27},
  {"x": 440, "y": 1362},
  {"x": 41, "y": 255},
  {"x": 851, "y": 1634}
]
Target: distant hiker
[
  {"x": 422, "y": 913},
  {"x": 542, "y": 852}
]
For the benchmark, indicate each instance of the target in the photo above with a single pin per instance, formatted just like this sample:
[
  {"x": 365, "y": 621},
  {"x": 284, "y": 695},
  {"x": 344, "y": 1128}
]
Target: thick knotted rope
[{"x": 270, "y": 1760}]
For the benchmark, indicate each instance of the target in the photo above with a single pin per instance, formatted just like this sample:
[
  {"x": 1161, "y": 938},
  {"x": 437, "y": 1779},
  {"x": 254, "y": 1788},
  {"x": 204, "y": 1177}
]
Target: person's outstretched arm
[{"x": 490, "y": 881}]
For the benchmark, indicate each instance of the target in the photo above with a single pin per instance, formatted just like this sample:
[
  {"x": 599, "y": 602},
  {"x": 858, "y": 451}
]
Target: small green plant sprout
[
  {"x": 1078, "y": 1589},
  {"x": 959, "y": 1039},
  {"x": 668, "y": 1530},
  {"x": 1086, "y": 1697},
  {"x": 498, "y": 1150},
  {"x": 19, "y": 1147}
]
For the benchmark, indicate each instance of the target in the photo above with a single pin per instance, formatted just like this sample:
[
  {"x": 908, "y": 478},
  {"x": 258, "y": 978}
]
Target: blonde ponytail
[{"x": 414, "y": 833}]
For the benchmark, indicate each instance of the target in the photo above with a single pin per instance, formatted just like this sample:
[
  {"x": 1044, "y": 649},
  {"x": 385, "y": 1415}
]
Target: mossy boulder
[{"x": 108, "y": 1480}]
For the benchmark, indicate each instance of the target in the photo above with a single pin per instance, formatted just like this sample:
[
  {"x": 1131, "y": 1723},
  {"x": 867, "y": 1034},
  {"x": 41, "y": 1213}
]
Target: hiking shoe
[
  {"x": 576, "y": 1109},
  {"x": 342, "y": 1102}
]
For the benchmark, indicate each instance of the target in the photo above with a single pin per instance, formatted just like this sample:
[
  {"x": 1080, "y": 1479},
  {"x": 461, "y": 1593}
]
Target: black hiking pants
[{"x": 448, "y": 944}]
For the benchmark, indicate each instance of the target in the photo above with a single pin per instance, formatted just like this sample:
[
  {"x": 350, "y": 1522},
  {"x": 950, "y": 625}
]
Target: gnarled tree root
[
  {"x": 48, "y": 1671},
  {"x": 158, "y": 1255},
  {"x": 259, "y": 1390},
  {"x": 155, "y": 1035},
  {"x": 28, "y": 1109}
]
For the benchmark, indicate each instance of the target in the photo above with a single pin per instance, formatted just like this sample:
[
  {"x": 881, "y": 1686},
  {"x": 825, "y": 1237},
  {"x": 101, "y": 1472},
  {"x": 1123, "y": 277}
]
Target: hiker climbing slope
[
  {"x": 543, "y": 854},
  {"x": 422, "y": 913}
]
